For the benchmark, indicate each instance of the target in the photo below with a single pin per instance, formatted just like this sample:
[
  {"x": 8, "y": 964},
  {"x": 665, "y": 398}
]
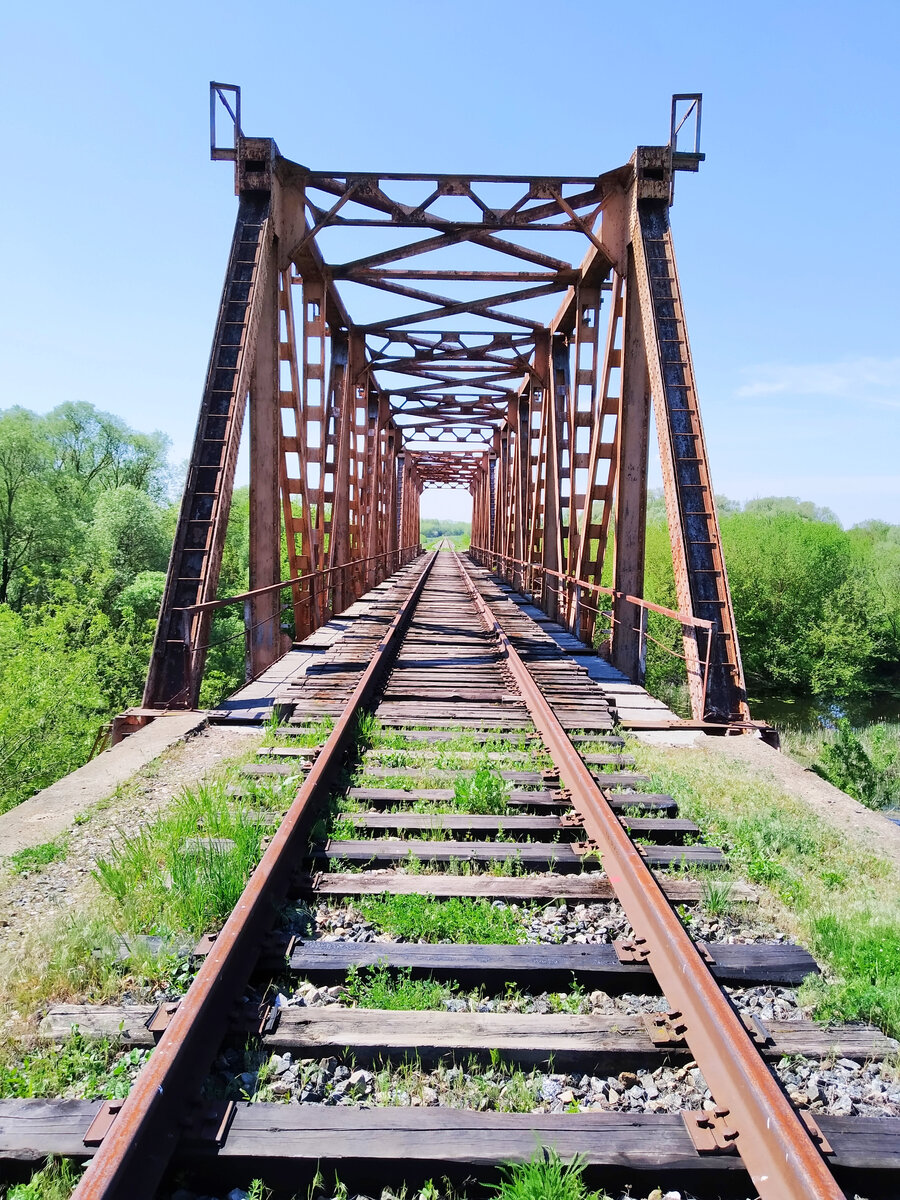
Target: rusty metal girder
[{"x": 480, "y": 365}]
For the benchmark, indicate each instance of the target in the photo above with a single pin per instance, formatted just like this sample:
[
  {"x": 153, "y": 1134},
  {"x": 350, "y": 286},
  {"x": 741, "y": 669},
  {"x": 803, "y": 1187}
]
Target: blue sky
[{"x": 117, "y": 225}]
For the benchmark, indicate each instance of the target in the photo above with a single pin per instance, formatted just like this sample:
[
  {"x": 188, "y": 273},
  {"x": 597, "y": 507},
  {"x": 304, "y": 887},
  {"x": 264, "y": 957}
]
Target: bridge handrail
[
  {"x": 210, "y": 605},
  {"x": 683, "y": 618},
  {"x": 686, "y": 620}
]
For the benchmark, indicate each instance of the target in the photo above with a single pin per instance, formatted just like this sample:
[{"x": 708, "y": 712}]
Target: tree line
[
  {"x": 86, "y": 526},
  {"x": 817, "y": 606}
]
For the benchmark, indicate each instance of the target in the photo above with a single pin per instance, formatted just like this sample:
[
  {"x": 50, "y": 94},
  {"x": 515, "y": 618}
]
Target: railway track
[{"x": 491, "y": 785}]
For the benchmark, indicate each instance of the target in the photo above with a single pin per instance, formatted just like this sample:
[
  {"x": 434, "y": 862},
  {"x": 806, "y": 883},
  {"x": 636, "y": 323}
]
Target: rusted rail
[
  {"x": 134, "y": 1154},
  {"x": 572, "y": 587},
  {"x": 783, "y": 1161}
]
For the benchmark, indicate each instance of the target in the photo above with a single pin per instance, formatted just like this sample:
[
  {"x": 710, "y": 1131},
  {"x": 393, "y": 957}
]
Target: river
[{"x": 808, "y": 712}]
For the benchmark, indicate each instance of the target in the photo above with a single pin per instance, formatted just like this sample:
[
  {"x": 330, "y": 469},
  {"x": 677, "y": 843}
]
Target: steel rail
[
  {"x": 138, "y": 1147},
  {"x": 775, "y": 1146}
]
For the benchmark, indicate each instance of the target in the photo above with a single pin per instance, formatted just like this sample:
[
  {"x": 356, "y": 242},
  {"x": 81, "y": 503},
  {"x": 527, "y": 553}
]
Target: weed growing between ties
[
  {"x": 382, "y": 987},
  {"x": 457, "y": 919},
  {"x": 484, "y": 792},
  {"x": 55, "y": 1181},
  {"x": 379, "y": 987},
  {"x": 314, "y": 734},
  {"x": 839, "y": 898},
  {"x": 34, "y": 858},
  {"x": 83, "y": 1068},
  {"x": 545, "y": 1177}
]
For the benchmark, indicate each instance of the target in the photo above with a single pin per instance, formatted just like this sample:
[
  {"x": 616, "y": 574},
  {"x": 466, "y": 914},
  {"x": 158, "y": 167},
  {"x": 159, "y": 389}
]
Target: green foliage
[
  {"x": 55, "y": 1181},
  {"x": 462, "y": 920},
  {"x": 865, "y": 955},
  {"x": 81, "y": 1067},
  {"x": 127, "y": 532},
  {"x": 845, "y": 763},
  {"x": 85, "y": 533},
  {"x": 191, "y": 864},
  {"x": 545, "y": 1177},
  {"x": 817, "y": 606},
  {"x": 483, "y": 792},
  {"x": 379, "y": 987},
  {"x": 433, "y": 530},
  {"x": 32, "y": 858}
]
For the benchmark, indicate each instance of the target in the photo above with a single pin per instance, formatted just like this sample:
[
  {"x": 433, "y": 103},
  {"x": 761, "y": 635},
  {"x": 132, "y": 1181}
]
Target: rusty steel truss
[{"x": 511, "y": 333}]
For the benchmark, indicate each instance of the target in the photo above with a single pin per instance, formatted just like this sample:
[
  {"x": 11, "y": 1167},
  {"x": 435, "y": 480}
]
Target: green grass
[
  {"x": 33, "y": 858},
  {"x": 457, "y": 919},
  {"x": 716, "y": 894},
  {"x": 81, "y": 1068},
  {"x": 545, "y": 1177},
  {"x": 318, "y": 733},
  {"x": 484, "y": 792},
  {"x": 186, "y": 870},
  {"x": 55, "y": 1181},
  {"x": 829, "y": 890},
  {"x": 379, "y": 987}
]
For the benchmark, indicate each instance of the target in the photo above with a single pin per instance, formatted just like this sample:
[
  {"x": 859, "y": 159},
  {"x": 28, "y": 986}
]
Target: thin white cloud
[{"x": 862, "y": 380}]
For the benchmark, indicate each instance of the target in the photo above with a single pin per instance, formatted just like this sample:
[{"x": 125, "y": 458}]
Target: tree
[
  {"x": 29, "y": 505},
  {"x": 95, "y": 451},
  {"x": 773, "y": 505},
  {"x": 127, "y": 532}
]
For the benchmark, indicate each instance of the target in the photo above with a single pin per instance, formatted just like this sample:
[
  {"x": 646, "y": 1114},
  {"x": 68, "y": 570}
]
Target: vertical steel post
[
  {"x": 264, "y": 633},
  {"x": 631, "y": 494}
]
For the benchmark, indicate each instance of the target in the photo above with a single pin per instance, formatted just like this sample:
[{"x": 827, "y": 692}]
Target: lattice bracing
[{"x": 506, "y": 335}]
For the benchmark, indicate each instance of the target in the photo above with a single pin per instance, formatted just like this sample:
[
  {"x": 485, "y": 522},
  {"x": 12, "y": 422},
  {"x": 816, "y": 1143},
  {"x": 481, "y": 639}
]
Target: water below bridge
[{"x": 813, "y": 712}]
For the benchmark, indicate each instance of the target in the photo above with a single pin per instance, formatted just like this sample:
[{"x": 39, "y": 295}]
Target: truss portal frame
[{"x": 455, "y": 373}]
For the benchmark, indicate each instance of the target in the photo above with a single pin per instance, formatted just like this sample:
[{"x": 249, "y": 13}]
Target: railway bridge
[
  {"x": 510, "y": 335},
  {"x": 432, "y": 742}
]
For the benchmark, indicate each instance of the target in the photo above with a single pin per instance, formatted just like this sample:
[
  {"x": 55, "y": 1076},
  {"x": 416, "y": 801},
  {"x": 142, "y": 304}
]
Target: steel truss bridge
[{"x": 512, "y": 332}]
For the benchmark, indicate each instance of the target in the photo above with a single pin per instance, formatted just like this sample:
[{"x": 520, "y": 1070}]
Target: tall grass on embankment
[
  {"x": 833, "y": 893},
  {"x": 863, "y": 762}
]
